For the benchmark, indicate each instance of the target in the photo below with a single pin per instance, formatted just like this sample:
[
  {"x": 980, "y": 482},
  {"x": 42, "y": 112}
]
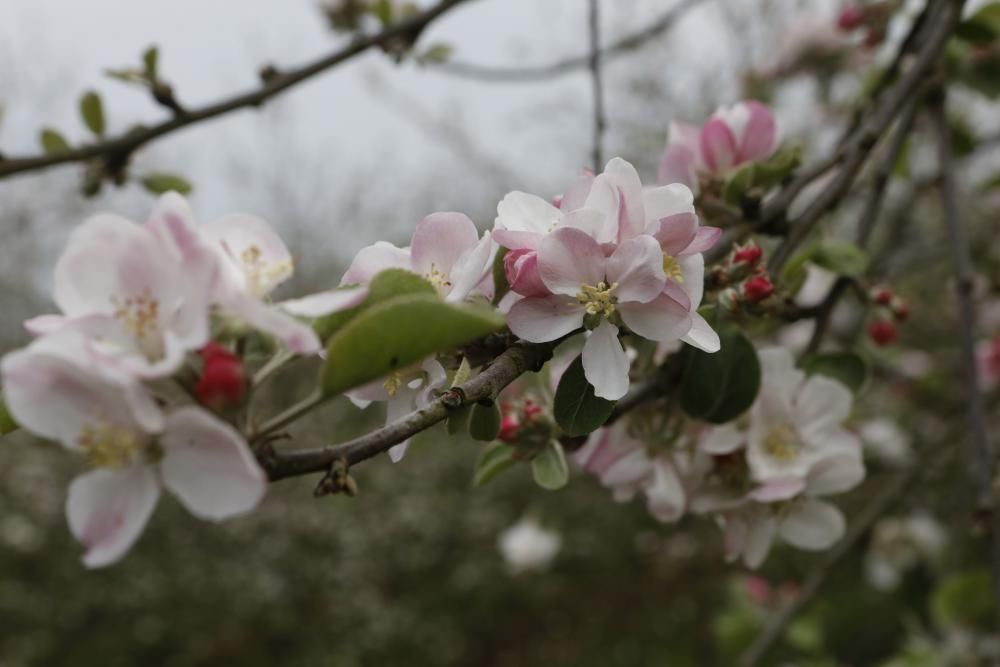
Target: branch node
[
  {"x": 454, "y": 398},
  {"x": 337, "y": 480}
]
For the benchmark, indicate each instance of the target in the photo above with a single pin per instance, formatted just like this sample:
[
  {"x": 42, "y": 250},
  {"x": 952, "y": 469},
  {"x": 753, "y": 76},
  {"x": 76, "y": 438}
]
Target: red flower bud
[
  {"x": 851, "y": 17},
  {"x": 750, "y": 254},
  {"x": 757, "y": 289},
  {"x": 223, "y": 382},
  {"x": 510, "y": 425},
  {"x": 531, "y": 410},
  {"x": 880, "y": 295},
  {"x": 882, "y": 332}
]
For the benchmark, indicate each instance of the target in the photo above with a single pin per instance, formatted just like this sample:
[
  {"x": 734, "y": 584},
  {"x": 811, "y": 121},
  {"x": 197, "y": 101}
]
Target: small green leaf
[
  {"x": 7, "y": 423},
  {"x": 965, "y": 600},
  {"x": 131, "y": 76},
  {"x": 577, "y": 410},
  {"x": 383, "y": 11},
  {"x": 500, "y": 284},
  {"x": 150, "y": 60},
  {"x": 397, "y": 333},
  {"x": 846, "y": 367},
  {"x": 386, "y": 285},
  {"x": 92, "y": 112},
  {"x": 53, "y": 143},
  {"x": 778, "y": 167},
  {"x": 549, "y": 468},
  {"x": 721, "y": 386},
  {"x": 738, "y": 183},
  {"x": 436, "y": 54},
  {"x": 840, "y": 257},
  {"x": 160, "y": 182},
  {"x": 458, "y": 421},
  {"x": 484, "y": 423},
  {"x": 495, "y": 458},
  {"x": 463, "y": 373}
]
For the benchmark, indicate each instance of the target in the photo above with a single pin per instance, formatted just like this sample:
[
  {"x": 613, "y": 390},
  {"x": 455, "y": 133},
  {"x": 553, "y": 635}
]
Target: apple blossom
[
  {"x": 744, "y": 132},
  {"x": 445, "y": 249},
  {"x": 528, "y": 546},
  {"x": 57, "y": 391}
]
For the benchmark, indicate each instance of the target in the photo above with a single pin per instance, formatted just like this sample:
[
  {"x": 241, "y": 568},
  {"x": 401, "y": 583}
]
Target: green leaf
[
  {"x": 484, "y": 423},
  {"x": 983, "y": 27},
  {"x": 500, "y": 284},
  {"x": 386, "y": 285},
  {"x": 496, "y": 458},
  {"x": 160, "y": 182},
  {"x": 92, "y": 112},
  {"x": 577, "y": 410},
  {"x": 719, "y": 387},
  {"x": 964, "y": 599},
  {"x": 846, "y": 367},
  {"x": 150, "y": 60},
  {"x": 383, "y": 11},
  {"x": 52, "y": 142},
  {"x": 738, "y": 183},
  {"x": 436, "y": 54},
  {"x": 840, "y": 257},
  {"x": 458, "y": 421},
  {"x": 397, "y": 333},
  {"x": 7, "y": 423},
  {"x": 778, "y": 167},
  {"x": 549, "y": 468},
  {"x": 463, "y": 373}
]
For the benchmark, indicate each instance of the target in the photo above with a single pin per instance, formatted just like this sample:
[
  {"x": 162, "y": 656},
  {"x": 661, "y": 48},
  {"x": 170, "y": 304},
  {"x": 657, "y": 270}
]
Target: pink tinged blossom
[
  {"x": 132, "y": 446},
  {"x": 618, "y": 460},
  {"x": 402, "y": 392},
  {"x": 521, "y": 269},
  {"x": 681, "y": 159}
]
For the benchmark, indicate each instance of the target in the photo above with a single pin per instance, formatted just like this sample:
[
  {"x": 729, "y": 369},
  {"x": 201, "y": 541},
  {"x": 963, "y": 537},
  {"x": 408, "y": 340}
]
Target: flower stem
[{"x": 289, "y": 415}]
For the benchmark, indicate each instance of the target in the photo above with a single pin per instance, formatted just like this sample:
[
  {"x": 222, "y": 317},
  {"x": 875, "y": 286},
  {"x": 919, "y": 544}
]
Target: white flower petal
[
  {"x": 760, "y": 537},
  {"x": 538, "y": 320},
  {"x": 522, "y": 212},
  {"x": 813, "y": 525},
  {"x": 439, "y": 240},
  {"x": 662, "y": 319},
  {"x": 665, "y": 495},
  {"x": 569, "y": 258},
  {"x": 702, "y": 335},
  {"x": 636, "y": 267},
  {"x": 605, "y": 364},
  {"x": 374, "y": 259},
  {"x": 821, "y": 406},
  {"x": 324, "y": 303}
]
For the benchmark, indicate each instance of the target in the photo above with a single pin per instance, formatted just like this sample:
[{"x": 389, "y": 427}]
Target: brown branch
[
  {"x": 117, "y": 150},
  {"x": 600, "y": 121},
  {"x": 539, "y": 73},
  {"x": 486, "y": 386},
  {"x": 962, "y": 265}
]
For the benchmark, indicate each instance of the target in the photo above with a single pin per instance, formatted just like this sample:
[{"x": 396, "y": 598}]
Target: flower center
[
  {"x": 599, "y": 300},
  {"x": 109, "y": 446},
  {"x": 782, "y": 443},
  {"x": 672, "y": 268},
  {"x": 140, "y": 315},
  {"x": 261, "y": 275},
  {"x": 437, "y": 277},
  {"x": 393, "y": 383}
]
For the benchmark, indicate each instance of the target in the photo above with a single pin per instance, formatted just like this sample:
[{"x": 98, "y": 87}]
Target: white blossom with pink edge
[
  {"x": 445, "y": 249},
  {"x": 57, "y": 391},
  {"x": 745, "y": 132},
  {"x": 629, "y": 286}
]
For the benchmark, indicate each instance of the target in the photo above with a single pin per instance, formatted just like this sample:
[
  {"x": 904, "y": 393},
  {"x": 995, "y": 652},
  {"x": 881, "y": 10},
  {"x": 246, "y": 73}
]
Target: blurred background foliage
[{"x": 409, "y": 572}]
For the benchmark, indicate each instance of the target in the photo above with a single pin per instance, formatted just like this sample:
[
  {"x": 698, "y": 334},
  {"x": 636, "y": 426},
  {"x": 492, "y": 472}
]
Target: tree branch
[
  {"x": 117, "y": 150},
  {"x": 962, "y": 266},
  {"x": 486, "y": 386},
  {"x": 600, "y": 122},
  {"x": 539, "y": 73}
]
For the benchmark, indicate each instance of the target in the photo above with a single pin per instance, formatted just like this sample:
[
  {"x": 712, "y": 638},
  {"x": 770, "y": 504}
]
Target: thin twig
[
  {"x": 540, "y": 73},
  {"x": 486, "y": 386},
  {"x": 600, "y": 122},
  {"x": 962, "y": 266},
  {"x": 117, "y": 150}
]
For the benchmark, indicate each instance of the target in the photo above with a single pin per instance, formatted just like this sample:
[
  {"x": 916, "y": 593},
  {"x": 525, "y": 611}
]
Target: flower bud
[
  {"x": 521, "y": 268},
  {"x": 882, "y": 332},
  {"x": 757, "y": 289},
  {"x": 510, "y": 426},
  {"x": 880, "y": 295},
  {"x": 900, "y": 308},
  {"x": 223, "y": 381},
  {"x": 851, "y": 18},
  {"x": 748, "y": 254}
]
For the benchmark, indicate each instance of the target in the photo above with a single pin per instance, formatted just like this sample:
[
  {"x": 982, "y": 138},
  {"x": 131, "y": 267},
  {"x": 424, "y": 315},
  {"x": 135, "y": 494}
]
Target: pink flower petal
[
  {"x": 521, "y": 269},
  {"x": 471, "y": 268},
  {"x": 636, "y": 267},
  {"x": 704, "y": 239},
  {"x": 678, "y": 165},
  {"x": 324, "y": 303},
  {"x": 718, "y": 145},
  {"x": 107, "y": 510},
  {"x": 439, "y": 240},
  {"x": 517, "y": 240},
  {"x": 758, "y": 138},
  {"x": 631, "y": 210},
  {"x": 538, "y": 320},
  {"x": 208, "y": 466},
  {"x": 374, "y": 259},
  {"x": 296, "y": 335},
  {"x": 576, "y": 195},
  {"x": 676, "y": 232},
  {"x": 604, "y": 362},
  {"x": 569, "y": 258}
]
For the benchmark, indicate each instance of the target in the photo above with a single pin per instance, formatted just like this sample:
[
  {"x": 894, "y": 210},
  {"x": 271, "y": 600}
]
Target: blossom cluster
[{"x": 136, "y": 300}]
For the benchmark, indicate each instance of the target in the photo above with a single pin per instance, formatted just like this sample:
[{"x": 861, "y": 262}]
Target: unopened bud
[
  {"x": 757, "y": 289},
  {"x": 900, "y": 308},
  {"x": 749, "y": 254},
  {"x": 223, "y": 381},
  {"x": 851, "y": 18},
  {"x": 510, "y": 426},
  {"x": 880, "y": 295},
  {"x": 882, "y": 332}
]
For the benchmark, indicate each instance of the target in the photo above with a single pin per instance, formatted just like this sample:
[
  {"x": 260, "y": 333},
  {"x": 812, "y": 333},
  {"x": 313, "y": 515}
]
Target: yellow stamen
[
  {"x": 140, "y": 315},
  {"x": 393, "y": 383},
  {"x": 260, "y": 275},
  {"x": 109, "y": 446},
  {"x": 599, "y": 300},
  {"x": 437, "y": 277},
  {"x": 782, "y": 443},
  {"x": 673, "y": 269}
]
